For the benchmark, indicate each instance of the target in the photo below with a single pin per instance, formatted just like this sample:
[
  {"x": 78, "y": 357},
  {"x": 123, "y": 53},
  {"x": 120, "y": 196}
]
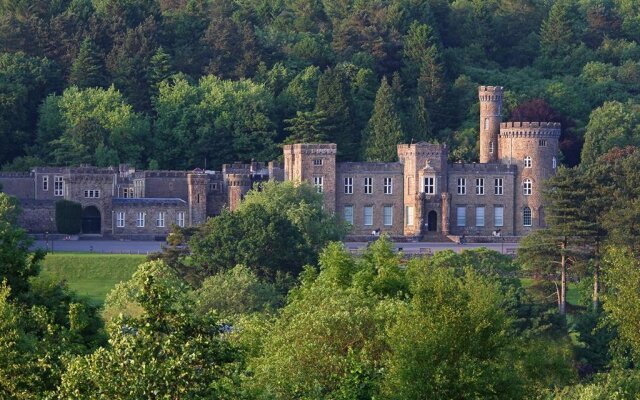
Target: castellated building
[
  {"x": 421, "y": 194},
  {"x": 424, "y": 194}
]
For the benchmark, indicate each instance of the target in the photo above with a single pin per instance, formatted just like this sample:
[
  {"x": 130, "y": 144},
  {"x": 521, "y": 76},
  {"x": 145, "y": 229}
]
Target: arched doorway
[
  {"x": 432, "y": 221},
  {"x": 91, "y": 220}
]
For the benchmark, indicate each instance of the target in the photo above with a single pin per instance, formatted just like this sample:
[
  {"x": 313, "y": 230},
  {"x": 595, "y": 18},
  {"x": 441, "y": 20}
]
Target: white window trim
[
  {"x": 462, "y": 186},
  {"x": 120, "y": 219},
  {"x": 527, "y": 187},
  {"x": 499, "y": 223},
  {"x": 388, "y": 185},
  {"x": 524, "y": 216},
  {"x": 384, "y": 215},
  {"x": 410, "y": 215},
  {"x": 480, "y": 222},
  {"x": 364, "y": 215},
  {"x": 318, "y": 182},
  {"x": 58, "y": 186},
  {"x": 45, "y": 183},
  {"x": 140, "y": 219},
  {"x": 368, "y": 185},
  {"x": 348, "y": 185},
  {"x": 160, "y": 219},
  {"x": 480, "y": 186},
  {"x": 498, "y": 186},
  {"x": 350, "y": 215},
  {"x": 429, "y": 185},
  {"x": 528, "y": 163},
  {"x": 180, "y": 219},
  {"x": 462, "y": 214}
]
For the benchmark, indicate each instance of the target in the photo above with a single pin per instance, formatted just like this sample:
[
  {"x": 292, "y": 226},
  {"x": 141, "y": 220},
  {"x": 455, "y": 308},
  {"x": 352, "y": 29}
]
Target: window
[
  {"x": 498, "y": 216},
  {"x": 58, "y": 186},
  {"x": 120, "y": 219},
  {"x": 542, "y": 143},
  {"x": 160, "y": 220},
  {"x": 462, "y": 186},
  {"x": 348, "y": 185},
  {"x": 526, "y": 216},
  {"x": 486, "y": 124},
  {"x": 554, "y": 163},
  {"x": 368, "y": 185},
  {"x": 480, "y": 186},
  {"x": 140, "y": 219},
  {"x": 92, "y": 194},
  {"x": 318, "y": 183},
  {"x": 409, "y": 212},
  {"x": 429, "y": 186},
  {"x": 125, "y": 193},
  {"x": 388, "y": 185},
  {"x": 213, "y": 187},
  {"x": 527, "y": 187},
  {"x": 497, "y": 186},
  {"x": 491, "y": 145},
  {"x": 180, "y": 219},
  {"x": 527, "y": 162},
  {"x": 480, "y": 216},
  {"x": 410, "y": 185},
  {"x": 461, "y": 216},
  {"x": 348, "y": 214},
  {"x": 45, "y": 183},
  {"x": 368, "y": 215},
  {"x": 138, "y": 185},
  {"x": 388, "y": 215},
  {"x": 317, "y": 161}
]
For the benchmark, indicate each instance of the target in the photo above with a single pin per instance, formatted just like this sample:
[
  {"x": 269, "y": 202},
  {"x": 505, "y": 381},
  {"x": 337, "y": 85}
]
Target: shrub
[{"x": 68, "y": 217}]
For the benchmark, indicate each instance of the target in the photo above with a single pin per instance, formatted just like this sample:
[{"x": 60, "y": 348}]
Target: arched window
[
  {"x": 527, "y": 187},
  {"x": 526, "y": 216},
  {"x": 486, "y": 124},
  {"x": 527, "y": 162},
  {"x": 554, "y": 163}
]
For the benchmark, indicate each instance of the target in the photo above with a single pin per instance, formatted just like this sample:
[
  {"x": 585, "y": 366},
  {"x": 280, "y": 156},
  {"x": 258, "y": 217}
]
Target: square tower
[{"x": 314, "y": 163}]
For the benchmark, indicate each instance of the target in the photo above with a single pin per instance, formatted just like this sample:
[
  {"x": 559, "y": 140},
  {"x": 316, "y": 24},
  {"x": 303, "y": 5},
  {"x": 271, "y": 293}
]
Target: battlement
[
  {"x": 239, "y": 180},
  {"x": 530, "y": 129},
  {"x": 311, "y": 148},
  {"x": 369, "y": 167},
  {"x": 164, "y": 174},
  {"x": 15, "y": 175},
  {"x": 486, "y": 168},
  {"x": 492, "y": 89},
  {"x": 423, "y": 149}
]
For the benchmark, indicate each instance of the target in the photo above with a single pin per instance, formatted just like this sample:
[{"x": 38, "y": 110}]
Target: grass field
[{"x": 90, "y": 274}]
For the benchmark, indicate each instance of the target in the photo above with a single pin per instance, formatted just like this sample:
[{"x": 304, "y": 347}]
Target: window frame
[
  {"x": 527, "y": 214},
  {"x": 480, "y": 211},
  {"x": 368, "y": 185},
  {"x": 461, "y": 217},
  {"x": 390, "y": 215},
  {"x": 160, "y": 219},
  {"x": 364, "y": 215},
  {"x": 120, "y": 219},
  {"x": 409, "y": 215},
  {"x": 140, "y": 219},
  {"x": 388, "y": 185},
  {"x": 58, "y": 185},
  {"x": 180, "y": 219},
  {"x": 528, "y": 162},
  {"x": 45, "y": 183},
  {"x": 495, "y": 216},
  {"x": 317, "y": 162},
  {"x": 344, "y": 214},
  {"x": 462, "y": 186},
  {"x": 527, "y": 187},
  {"x": 479, "y": 186},
  {"x": 498, "y": 186},
  {"x": 348, "y": 185}
]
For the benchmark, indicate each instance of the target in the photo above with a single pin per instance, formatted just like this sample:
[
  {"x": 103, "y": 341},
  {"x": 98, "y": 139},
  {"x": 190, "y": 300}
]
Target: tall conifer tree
[
  {"x": 384, "y": 131},
  {"x": 88, "y": 69}
]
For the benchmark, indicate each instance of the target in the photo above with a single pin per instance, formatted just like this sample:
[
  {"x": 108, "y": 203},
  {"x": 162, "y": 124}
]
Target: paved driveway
[{"x": 143, "y": 247}]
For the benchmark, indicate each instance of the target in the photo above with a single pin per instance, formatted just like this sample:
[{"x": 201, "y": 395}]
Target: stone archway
[
  {"x": 432, "y": 221},
  {"x": 91, "y": 221}
]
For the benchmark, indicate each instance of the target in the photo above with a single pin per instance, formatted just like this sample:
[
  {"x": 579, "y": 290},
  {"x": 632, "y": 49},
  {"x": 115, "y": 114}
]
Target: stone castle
[{"x": 420, "y": 194}]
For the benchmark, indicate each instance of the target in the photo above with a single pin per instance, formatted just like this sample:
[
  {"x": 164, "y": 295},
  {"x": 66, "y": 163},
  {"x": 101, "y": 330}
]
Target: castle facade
[
  {"x": 423, "y": 193},
  {"x": 420, "y": 194}
]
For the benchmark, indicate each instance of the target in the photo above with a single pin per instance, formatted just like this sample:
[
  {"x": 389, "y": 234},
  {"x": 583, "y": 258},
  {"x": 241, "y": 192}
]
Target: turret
[
  {"x": 237, "y": 186},
  {"x": 197, "y": 182},
  {"x": 490, "y": 118}
]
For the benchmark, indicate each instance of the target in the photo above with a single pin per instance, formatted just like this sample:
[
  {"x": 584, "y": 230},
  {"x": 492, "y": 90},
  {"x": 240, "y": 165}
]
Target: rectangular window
[
  {"x": 45, "y": 183},
  {"x": 348, "y": 185},
  {"x": 58, "y": 186},
  {"x": 388, "y": 185},
  {"x": 120, "y": 219},
  {"x": 368, "y": 215},
  {"x": 542, "y": 142},
  {"x": 348, "y": 214},
  {"x": 160, "y": 220},
  {"x": 480, "y": 186},
  {"x": 480, "y": 216},
  {"x": 409, "y": 212},
  {"x": 498, "y": 216},
  {"x": 368, "y": 185},
  {"x": 429, "y": 186},
  {"x": 180, "y": 219},
  {"x": 140, "y": 219},
  {"x": 461, "y": 216},
  {"x": 388, "y": 215},
  {"x": 92, "y": 194},
  {"x": 491, "y": 147},
  {"x": 497, "y": 186},
  {"x": 462, "y": 186},
  {"x": 317, "y": 161},
  {"x": 318, "y": 183}
]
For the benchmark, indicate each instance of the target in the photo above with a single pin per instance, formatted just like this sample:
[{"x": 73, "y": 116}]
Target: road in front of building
[{"x": 146, "y": 247}]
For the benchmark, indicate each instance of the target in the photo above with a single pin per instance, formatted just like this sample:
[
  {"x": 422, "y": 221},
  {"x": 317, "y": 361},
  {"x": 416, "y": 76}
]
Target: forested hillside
[{"x": 180, "y": 83}]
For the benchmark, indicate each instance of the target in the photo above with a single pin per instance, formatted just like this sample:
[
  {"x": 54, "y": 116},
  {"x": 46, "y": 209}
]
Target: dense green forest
[{"x": 180, "y": 83}]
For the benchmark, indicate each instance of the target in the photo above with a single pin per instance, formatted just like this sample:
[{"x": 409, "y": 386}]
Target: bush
[{"x": 68, "y": 217}]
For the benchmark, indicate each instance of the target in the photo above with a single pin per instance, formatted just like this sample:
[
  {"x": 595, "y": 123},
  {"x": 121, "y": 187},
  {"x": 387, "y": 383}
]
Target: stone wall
[
  {"x": 171, "y": 208},
  {"x": 18, "y": 184},
  {"x": 38, "y": 216}
]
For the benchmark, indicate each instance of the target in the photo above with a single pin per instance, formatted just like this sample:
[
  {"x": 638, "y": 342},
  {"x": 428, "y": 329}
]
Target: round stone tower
[
  {"x": 238, "y": 185},
  {"x": 533, "y": 147},
  {"x": 490, "y": 118}
]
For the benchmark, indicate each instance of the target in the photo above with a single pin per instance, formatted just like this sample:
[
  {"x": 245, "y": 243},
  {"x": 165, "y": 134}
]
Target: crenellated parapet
[
  {"x": 530, "y": 130},
  {"x": 490, "y": 93}
]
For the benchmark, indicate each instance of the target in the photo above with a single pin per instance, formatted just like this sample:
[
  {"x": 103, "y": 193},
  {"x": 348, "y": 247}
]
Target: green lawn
[{"x": 90, "y": 274}]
